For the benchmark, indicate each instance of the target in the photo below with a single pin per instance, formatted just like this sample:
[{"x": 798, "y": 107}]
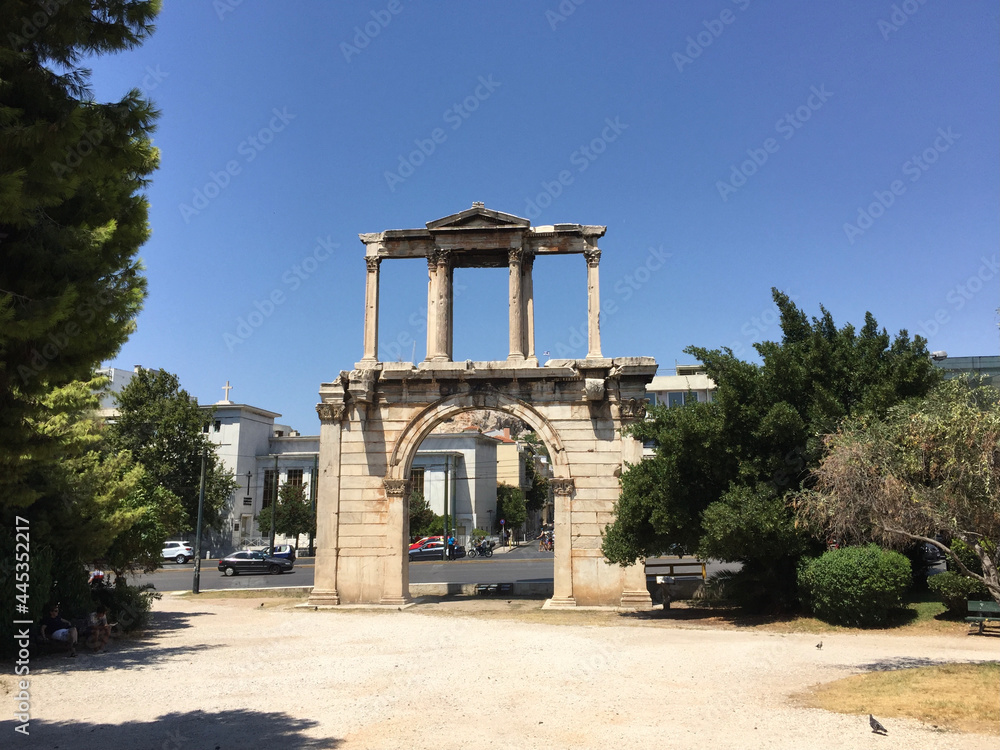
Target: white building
[
  {"x": 460, "y": 468},
  {"x": 258, "y": 451},
  {"x": 688, "y": 383}
]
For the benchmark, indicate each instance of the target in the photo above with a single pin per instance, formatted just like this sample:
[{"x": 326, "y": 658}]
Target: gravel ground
[{"x": 233, "y": 674}]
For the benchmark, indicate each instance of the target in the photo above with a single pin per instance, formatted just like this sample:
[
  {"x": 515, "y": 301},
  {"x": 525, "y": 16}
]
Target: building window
[
  {"x": 675, "y": 399},
  {"x": 269, "y": 487},
  {"x": 218, "y": 425},
  {"x": 417, "y": 480},
  {"x": 294, "y": 477}
]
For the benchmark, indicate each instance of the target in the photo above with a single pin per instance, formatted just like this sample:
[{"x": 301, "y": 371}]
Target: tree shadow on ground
[
  {"x": 900, "y": 662},
  {"x": 223, "y": 730},
  {"x": 714, "y": 615},
  {"x": 130, "y": 650}
]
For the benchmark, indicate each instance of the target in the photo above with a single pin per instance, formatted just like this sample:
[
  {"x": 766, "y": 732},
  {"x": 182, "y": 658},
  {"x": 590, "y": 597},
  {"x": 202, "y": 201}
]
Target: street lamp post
[
  {"x": 274, "y": 503},
  {"x": 196, "y": 584}
]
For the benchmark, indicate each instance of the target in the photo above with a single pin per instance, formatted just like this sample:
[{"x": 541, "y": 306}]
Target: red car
[{"x": 424, "y": 540}]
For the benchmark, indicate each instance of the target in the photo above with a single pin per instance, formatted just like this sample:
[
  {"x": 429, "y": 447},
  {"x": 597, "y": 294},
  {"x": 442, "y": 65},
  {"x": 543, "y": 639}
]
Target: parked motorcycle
[{"x": 483, "y": 549}]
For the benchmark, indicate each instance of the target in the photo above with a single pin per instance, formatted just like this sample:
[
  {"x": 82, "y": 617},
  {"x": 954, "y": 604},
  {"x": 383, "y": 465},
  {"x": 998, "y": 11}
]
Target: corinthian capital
[
  {"x": 563, "y": 487},
  {"x": 633, "y": 409},
  {"x": 514, "y": 255},
  {"x": 330, "y": 412},
  {"x": 372, "y": 262},
  {"x": 593, "y": 256},
  {"x": 398, "y": 488}
]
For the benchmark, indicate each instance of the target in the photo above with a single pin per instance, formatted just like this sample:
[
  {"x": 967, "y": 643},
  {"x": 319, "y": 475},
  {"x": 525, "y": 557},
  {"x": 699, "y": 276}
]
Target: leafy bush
[
  {"x": 129, "y": 606},
  {"x": 967, "y": 555},
  {"x": 857, "y": 586},
  {"x": 955, "y": 591}
]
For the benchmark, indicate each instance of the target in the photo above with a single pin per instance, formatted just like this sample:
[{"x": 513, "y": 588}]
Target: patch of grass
[{"x": 958, "y": 697}]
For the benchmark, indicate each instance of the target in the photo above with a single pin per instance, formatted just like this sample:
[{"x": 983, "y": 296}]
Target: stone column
[
  {"x": 396, "y": 577},
  {"x": 593, "y": 256},
  {"x": 324, "y": 591},
  {"x": 451, "y": 313},
  {"x": 562, "y": 586},
  {"x": 432, "y": 312},
  {"x": 515, "y": 306},
  {"x": 634, "y": 592},
  {"x": 528, "y": 291},
  {"x": 371, "y": 310},
  {"x": 444, "y": 306},
  {"x": 439, "y": 305}
]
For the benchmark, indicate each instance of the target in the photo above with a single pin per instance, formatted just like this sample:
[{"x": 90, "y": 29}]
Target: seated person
[
  {"x": 55, "y": 628},
  {"x": 98, "y": 631}
]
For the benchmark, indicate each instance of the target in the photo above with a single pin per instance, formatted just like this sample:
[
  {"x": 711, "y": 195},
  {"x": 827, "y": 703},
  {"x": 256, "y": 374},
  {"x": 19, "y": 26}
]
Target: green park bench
[{"x": 985, "y": 614}]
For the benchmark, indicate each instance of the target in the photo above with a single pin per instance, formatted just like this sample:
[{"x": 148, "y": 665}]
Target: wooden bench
[
  {"x": 494, "y": 588},
  {"x": 988, "y": 615},
  {"x": 668, "y": 578}
]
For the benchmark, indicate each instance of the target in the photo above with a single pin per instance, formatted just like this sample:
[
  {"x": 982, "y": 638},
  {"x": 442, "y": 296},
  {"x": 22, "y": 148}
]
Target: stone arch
[
  {"x": 374, "y": 417},
  {"x": 421, "y": 425}
]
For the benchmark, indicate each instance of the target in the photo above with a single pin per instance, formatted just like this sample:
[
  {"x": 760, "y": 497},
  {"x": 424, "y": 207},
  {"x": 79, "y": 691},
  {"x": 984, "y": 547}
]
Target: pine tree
[{"x": 72, "y": 214}]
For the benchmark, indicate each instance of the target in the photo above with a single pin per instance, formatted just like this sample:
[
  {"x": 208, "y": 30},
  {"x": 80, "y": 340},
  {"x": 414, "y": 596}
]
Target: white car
[{"x": 179, "y": 551}]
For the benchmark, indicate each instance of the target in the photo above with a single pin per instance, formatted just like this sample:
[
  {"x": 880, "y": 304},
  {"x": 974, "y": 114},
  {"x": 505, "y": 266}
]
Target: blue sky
[{"x": 846, "y": 153}]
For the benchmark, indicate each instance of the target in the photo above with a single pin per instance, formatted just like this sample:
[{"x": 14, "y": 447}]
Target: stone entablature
[{"x": 481, "y": 238}]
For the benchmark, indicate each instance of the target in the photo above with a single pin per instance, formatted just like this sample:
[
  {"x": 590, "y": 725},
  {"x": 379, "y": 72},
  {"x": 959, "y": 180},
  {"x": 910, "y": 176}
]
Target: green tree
[
  {"x": 538, "y": 491},
  {"x": 929, "y": 469},
  {"x": 93, "y": 504},
  {"x": 72, "y": 214},
  {"x": 293, "y": 515},
  {"x": 510, "y": 507},
  {"x": 721, "y": 471},
  {"x": 164, "y": 429},
  {"x": 423, "y": 520}
]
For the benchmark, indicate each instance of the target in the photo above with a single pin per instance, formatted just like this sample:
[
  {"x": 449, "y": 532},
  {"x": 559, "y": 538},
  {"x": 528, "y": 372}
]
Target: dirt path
[{"x": 232, "y": 675}]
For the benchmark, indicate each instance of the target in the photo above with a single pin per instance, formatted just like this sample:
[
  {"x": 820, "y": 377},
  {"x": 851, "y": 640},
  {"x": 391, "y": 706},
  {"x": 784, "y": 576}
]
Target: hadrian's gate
[{"x": 374, "y": 417}]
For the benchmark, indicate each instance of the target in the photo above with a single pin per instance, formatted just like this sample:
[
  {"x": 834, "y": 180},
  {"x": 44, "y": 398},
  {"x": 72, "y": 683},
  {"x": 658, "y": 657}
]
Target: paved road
[
  {"x": 517, "y": 565},
  {"x": 523, "y": 563}
]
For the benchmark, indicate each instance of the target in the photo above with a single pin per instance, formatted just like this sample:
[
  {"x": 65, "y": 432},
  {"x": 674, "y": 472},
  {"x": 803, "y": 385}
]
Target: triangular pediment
[{"x": 478, "y": 217}]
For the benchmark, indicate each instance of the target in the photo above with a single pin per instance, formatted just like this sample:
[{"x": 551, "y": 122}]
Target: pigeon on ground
[
  {"x": 876, "y": 726},
  {"x": 819, "y": 645}
]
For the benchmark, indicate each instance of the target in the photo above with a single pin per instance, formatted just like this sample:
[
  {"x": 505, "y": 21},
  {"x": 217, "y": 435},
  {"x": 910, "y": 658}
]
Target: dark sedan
[
  {"x": 253, "y": 562},
  {"x": 432, "y": 551}
]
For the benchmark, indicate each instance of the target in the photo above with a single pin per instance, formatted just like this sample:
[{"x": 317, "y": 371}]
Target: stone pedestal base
[
  {"x": 319, "y": 598},
  {"x": 637, "y": 600},
  {"x": 394, "y": 600},
  {"x": 560, "y": 602}
]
